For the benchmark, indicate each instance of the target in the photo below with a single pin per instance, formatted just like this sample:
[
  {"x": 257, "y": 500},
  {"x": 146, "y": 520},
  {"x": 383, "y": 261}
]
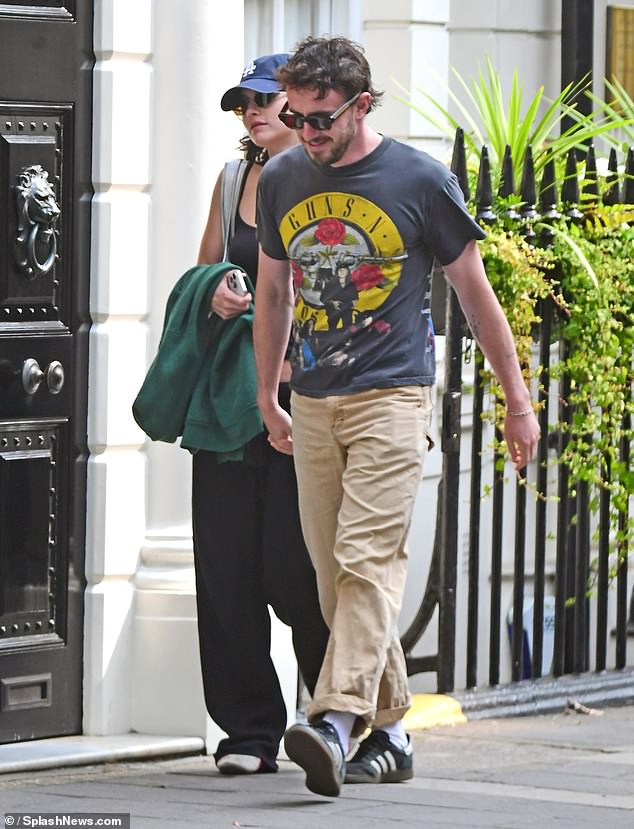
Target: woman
[{"x": 248, "y": 545}]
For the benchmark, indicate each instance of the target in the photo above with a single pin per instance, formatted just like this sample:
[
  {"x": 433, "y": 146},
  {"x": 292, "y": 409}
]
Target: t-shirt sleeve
[
  {"x": 450, "y": 225},
  {"x": 266, "y": 227}
]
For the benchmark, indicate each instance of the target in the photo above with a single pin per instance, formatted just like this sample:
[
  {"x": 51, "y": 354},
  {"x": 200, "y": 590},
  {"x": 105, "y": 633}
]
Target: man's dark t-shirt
[{"x": 362, "y": 239}]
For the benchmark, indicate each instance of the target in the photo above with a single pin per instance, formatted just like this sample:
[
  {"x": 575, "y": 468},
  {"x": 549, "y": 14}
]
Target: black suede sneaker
[
  {"x": 317, "y": 749},
  {"x": 378, "y": 760}
]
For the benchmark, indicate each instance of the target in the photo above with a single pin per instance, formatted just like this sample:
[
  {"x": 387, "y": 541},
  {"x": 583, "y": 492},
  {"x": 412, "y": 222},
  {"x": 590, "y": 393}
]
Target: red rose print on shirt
[
  {"x": 330, "y": 232},
  {"x": 367, "y": 276},
  {"x": 382, "y": 327}
]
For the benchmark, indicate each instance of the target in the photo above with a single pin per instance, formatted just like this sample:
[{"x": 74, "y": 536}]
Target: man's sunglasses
[
  {"x": 316, "y": 120},
  {"x": 261, "y": 100}
]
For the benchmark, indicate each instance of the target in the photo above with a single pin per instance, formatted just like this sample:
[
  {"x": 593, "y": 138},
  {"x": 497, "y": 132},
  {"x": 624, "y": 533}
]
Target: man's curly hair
[{"x": 325, "y": 63}]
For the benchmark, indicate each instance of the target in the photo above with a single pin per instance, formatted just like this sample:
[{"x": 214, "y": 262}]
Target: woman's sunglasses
[
  {"x": 317, "y": 120},
  {"x": 261, "y": 100}
]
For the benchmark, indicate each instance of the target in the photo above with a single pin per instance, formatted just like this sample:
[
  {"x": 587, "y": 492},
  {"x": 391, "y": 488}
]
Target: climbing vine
[{"x": 587, "y": 271}]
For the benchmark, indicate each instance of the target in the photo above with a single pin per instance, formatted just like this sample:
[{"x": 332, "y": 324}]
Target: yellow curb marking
[{"x": 429, "y": 710}]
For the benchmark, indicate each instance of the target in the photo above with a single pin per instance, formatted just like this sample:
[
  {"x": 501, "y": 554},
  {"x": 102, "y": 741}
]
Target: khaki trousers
[{"x": 359, "y": 461}]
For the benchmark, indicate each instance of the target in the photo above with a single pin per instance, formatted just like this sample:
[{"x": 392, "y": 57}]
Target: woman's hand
[{"x": 226, "y": 303}]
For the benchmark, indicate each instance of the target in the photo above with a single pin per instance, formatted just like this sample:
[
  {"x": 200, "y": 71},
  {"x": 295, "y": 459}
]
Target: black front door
[{"x": 46, "y": 62}]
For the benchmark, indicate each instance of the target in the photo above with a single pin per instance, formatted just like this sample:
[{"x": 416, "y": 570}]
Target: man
[{"x": 360, "y": 415}]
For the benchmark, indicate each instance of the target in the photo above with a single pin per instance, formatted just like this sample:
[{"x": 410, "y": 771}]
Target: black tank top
[
  {"x": 243, "y": 251},
  {"x": 243, "y": 247}
]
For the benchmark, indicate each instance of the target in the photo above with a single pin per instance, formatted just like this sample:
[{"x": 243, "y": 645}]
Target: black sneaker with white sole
[
  {"x": 378, "y": 760},
  {"x": 317, "y": 749}
]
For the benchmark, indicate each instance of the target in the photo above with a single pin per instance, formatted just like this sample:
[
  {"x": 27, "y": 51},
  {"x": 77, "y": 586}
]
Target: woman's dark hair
[
  {"x": 325, "y": 63},
  {"x": 251, "y": 151}
]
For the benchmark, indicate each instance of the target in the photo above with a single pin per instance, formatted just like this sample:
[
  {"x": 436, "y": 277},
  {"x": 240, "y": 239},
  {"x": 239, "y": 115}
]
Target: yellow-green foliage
[{"x": 588, "y": 273}]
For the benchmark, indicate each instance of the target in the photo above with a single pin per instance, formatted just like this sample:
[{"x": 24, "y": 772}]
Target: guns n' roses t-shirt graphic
[
  {"x": 361, "y": 240},
  {"x": 346, "y": 256}
]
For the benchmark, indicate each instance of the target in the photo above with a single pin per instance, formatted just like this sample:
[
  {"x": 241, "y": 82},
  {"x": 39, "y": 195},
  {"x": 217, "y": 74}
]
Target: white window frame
[{"x": 266, "y": 28}]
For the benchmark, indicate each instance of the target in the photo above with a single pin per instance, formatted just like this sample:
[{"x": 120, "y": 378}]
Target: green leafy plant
[
  {"x": 587, "y": 272},
  {"x": 488, "y": 119},
  {"x": 599, "y": 288}
]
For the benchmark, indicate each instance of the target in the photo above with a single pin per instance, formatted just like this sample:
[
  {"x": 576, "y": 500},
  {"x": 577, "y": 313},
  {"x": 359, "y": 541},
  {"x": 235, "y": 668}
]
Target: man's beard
[{"x": 337, "y": 149}]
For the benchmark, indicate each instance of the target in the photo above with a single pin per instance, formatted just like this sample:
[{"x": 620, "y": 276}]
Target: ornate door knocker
[{"x": 38, "y": 213}]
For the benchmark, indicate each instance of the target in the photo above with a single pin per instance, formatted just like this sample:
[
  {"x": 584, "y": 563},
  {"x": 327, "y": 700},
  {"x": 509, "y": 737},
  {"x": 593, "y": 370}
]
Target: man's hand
[
  {"x": 522, "y": 436},
  {"x": 279, "y": 426},
  {"x": 271, "y": 330}
]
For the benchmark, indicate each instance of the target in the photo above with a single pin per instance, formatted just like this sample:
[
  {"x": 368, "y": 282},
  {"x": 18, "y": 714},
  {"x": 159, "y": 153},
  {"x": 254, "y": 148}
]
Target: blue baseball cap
[{"x": 259, "y": 75}]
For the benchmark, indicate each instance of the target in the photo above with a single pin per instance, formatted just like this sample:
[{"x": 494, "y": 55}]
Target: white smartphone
[{"x": 236, "y": 283}]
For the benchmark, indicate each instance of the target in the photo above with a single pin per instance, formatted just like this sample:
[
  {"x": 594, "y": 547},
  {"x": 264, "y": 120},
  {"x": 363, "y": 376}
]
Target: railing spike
[
  {"x": 612, "y": 193},
  {"x": 570, "y": 189},
  {"x": 590, "y": 179},
  {"x": 528, "y": 192},
  {"x": 484, "y": 193},
  {"x": 459, "y": 163},
  {"x": 548, "y": 190},
  {"x": 528, "y": 187},
  {"x": 507, "y": 182}
]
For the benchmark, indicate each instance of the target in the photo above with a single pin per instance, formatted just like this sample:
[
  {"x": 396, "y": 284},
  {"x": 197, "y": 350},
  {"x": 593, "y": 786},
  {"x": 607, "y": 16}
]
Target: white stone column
[
  {"x": 190, "y": 138},
  {"x": 119, "y": 271},
  {"x": 407, "y": 45},
  {"x": 158, "y": 145}
]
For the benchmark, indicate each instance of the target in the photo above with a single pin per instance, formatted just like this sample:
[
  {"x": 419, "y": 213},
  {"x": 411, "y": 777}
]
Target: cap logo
[{"x": 249, "y": 70}]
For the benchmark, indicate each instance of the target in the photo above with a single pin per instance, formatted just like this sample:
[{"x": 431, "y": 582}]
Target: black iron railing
[{"x": 589, "y": 655}]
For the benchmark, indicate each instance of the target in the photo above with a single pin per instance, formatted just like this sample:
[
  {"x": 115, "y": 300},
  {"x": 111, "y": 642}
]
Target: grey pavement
[{"x": 560, "y": 770}]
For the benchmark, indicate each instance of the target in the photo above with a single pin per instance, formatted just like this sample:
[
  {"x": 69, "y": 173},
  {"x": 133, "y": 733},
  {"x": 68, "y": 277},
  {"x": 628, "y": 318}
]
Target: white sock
[
  {"x": 343, "y": 722},
  {"x": 396, "y": 733}
]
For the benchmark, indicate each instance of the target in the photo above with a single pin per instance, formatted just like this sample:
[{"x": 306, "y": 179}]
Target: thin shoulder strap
[{"x": 230, "y": 187}]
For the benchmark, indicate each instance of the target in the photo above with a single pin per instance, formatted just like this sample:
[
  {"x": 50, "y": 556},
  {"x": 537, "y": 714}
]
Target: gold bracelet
[{"x": 519, "y": 414}]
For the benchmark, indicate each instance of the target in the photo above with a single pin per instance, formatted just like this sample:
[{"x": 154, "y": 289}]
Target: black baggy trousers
[{"x": 249, "y": 553}]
